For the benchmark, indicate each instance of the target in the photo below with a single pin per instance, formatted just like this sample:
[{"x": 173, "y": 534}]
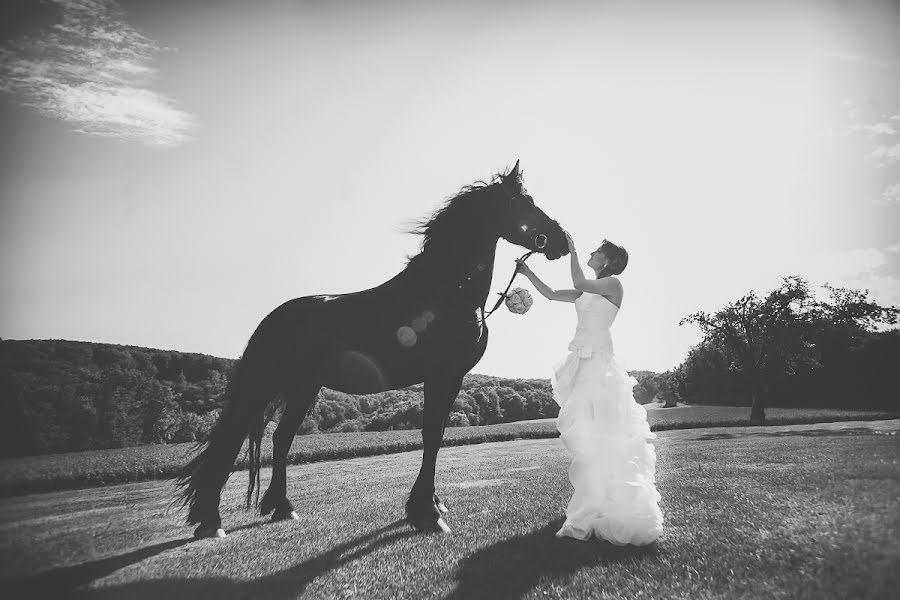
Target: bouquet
[{"x": 519, "y": 300}]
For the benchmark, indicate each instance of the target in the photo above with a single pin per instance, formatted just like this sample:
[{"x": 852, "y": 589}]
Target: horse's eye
[{"x": 524, "y": 228}]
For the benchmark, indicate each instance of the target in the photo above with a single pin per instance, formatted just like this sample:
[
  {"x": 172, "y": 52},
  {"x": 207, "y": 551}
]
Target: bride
[{"x": 602, "y": 426}]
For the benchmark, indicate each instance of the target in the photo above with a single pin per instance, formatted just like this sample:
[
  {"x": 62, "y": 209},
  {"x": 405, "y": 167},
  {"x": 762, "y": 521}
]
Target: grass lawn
[
  {"x": 800, "y": 512},
  {"x": 142, "y": 463}
]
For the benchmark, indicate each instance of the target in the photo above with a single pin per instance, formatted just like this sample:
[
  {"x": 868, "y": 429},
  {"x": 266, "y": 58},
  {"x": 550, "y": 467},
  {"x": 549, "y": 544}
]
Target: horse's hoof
[
  {"x": 291, "y": 516},
  {"x": 435, "y": 526},
  {"x": 201, "y": 533},
  {"x": 444, "y": 510}
]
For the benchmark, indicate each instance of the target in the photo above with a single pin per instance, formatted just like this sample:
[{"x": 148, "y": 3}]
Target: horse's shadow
[
  {"x": 508, "y": 569},
  {"x": 513, "y": 567},
  {"x": 65, "y": 579},
  {"x": 70, "y": 578},
  {"x": 70, "y": 582}
]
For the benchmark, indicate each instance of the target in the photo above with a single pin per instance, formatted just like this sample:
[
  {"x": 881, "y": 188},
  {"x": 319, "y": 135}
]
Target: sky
[{"x": 170, "y": 172}]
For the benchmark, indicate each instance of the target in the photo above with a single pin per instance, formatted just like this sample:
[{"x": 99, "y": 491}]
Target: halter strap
[{"x": 504, "y": 292}]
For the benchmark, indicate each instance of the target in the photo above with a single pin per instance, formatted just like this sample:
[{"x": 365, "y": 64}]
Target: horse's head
[{"x": 526, "y": 225}]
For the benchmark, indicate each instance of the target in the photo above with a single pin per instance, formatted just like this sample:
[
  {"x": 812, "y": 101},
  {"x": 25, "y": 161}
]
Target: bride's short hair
[{"x": 617, "y": 255}]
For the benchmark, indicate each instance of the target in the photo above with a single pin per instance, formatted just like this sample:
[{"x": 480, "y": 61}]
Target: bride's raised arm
[{"x": 545, "y": 290}]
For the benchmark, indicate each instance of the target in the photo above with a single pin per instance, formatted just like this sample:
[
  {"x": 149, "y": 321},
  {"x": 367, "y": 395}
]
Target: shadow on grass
[
  {"x": 55, "y": 581},
  {"x": 289, "y": 583},
  {"x": 515, "y": 566},
  {"x": 801, "y": 433},
  {"x": 508, "y": 569}
]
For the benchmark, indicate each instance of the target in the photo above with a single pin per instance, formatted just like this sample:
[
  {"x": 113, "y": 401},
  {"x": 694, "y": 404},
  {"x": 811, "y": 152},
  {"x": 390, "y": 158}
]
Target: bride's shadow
[{"x": 513, "y": 567}]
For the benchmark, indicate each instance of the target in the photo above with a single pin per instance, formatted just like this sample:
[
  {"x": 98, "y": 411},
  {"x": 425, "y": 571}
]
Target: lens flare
[{"x": 407, "y": 336}]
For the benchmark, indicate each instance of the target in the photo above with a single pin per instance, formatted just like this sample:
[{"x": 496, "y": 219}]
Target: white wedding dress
[{"x": 605, "y": 429}]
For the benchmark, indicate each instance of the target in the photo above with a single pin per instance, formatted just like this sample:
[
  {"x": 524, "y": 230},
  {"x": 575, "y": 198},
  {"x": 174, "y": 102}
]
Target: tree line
[
  {"x": 789, "y": 347},
  {"x": 60, "y": 396}
]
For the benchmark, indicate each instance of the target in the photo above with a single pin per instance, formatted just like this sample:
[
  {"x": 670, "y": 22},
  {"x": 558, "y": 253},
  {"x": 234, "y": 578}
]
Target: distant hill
[{"x": 62, "y": 395}]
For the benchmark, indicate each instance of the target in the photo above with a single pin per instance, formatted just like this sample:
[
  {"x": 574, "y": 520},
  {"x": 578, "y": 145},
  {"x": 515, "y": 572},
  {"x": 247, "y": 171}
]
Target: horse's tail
[{"x": 249, "y": 393}]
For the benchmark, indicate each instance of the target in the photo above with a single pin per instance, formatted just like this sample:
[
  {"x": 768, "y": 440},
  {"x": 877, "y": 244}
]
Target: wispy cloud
[
  {"x": 874, "y": 130},
  {"x": 93, "y": 70},
  {"x": 858, "y": 60},
  {"x": 873, "y": 269},
  {"x": 886, "y": 154},
  {"x": 891, "y": 194},
  {"x": 883, "y": 137},
  {"x": 891, "y": 264}
]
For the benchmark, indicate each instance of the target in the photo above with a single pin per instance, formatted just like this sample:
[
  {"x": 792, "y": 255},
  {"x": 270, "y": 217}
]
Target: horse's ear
[
  {"x": 512, "y": 180},
  {"x": 514, "y": 174}
]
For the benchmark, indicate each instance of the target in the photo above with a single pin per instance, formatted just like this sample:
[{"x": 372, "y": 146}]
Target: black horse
[{"x": 424, "y": 325}]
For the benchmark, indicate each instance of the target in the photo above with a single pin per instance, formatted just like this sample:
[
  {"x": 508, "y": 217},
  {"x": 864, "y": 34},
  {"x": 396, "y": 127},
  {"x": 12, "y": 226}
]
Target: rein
[
  {"x": 504, "y": 292},
  {"x": 509, "y": 285}
]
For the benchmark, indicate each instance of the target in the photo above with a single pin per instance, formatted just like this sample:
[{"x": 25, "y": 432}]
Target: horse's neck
[
  {"x": 476, "y": 281},
  {"x": 466, "y": 268}
]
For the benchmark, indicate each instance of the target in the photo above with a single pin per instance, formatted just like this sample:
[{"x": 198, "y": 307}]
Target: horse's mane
[{"x": 463, "y": 209}]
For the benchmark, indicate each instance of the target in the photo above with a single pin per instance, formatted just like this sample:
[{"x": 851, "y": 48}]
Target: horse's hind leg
[{"x": 297, "y": 405}]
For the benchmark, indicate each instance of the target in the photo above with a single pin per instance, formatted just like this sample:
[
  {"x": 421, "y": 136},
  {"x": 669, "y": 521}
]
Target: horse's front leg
[
  {"x": 442, "y": 508},
  {"x": 424, "y": 508}
]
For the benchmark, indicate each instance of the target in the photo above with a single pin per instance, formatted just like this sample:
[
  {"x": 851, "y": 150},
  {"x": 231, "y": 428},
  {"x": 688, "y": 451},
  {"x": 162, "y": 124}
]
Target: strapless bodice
[{"x": 595, "y": 316}]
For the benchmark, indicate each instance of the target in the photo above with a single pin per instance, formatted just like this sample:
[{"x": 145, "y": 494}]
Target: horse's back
[{"x": 387, "y": 337}]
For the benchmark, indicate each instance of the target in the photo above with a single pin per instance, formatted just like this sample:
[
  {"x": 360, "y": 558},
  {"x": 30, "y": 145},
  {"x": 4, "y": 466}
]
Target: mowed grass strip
[
  {"x": 142, "y": 463},
  {"x": 761, "y": 514}
]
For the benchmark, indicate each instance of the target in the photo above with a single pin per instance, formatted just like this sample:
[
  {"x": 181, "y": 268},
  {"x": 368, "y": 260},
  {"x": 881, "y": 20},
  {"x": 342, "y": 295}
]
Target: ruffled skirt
[{"x": 613, "y": 466}]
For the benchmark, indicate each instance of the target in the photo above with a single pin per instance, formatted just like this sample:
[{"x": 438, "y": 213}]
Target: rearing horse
[{"x": 424, "y": 325}]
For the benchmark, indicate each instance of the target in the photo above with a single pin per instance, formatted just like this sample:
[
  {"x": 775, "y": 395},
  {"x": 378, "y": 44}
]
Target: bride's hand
[
  {"x": 521, "y": 267},
  {"x": 570, "y": 241}
]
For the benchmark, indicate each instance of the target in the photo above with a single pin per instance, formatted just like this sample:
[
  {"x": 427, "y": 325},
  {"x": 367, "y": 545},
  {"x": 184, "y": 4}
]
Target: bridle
[
  {"x": 539, "y": 239},
  {"x": 540, "y": 242}
]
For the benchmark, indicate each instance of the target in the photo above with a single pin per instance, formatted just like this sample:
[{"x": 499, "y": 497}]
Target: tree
[
  {"x": 161, "y": 412},
  {"x": 457, "y": 419},
  {"x": 79, "y": 415},
  {"x": 759, "y": 332},
  {"x": 488, "y": 405},
  {"x": 513, "y": 407},
  {"x": 349, "y": 426},
  {"x": 706, "y": 375},
  {"x": 778, "y": 336},
  {"x": 466, "y": 404}
]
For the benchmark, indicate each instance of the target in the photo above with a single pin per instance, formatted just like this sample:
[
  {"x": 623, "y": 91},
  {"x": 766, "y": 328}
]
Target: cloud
[
  {"x": 874, "y": 130},
  {"x": 93, "y": 70},
  {"x": 883, "y": 137},
  {"x": 854, "y": 264},
  {"x": 873, "y": 269},
  {"x": 891, "y": 194},
  {"x": 855, "y": 59},
  {"x": 886, "y": 154},
  {"x": 891, "y": 262}
]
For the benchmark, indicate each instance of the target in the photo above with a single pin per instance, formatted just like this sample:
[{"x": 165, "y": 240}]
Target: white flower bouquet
[{"x": 519, "y": 300}]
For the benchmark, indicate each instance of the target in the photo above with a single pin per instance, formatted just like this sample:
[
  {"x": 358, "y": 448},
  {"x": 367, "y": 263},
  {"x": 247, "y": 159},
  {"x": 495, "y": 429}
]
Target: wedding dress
[{"x": 605, "y": 429}]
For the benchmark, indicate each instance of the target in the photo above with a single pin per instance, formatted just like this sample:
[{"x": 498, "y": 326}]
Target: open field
[
  {"x": 143, "y": 463},
  {"x": 775, "y": 512}
]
